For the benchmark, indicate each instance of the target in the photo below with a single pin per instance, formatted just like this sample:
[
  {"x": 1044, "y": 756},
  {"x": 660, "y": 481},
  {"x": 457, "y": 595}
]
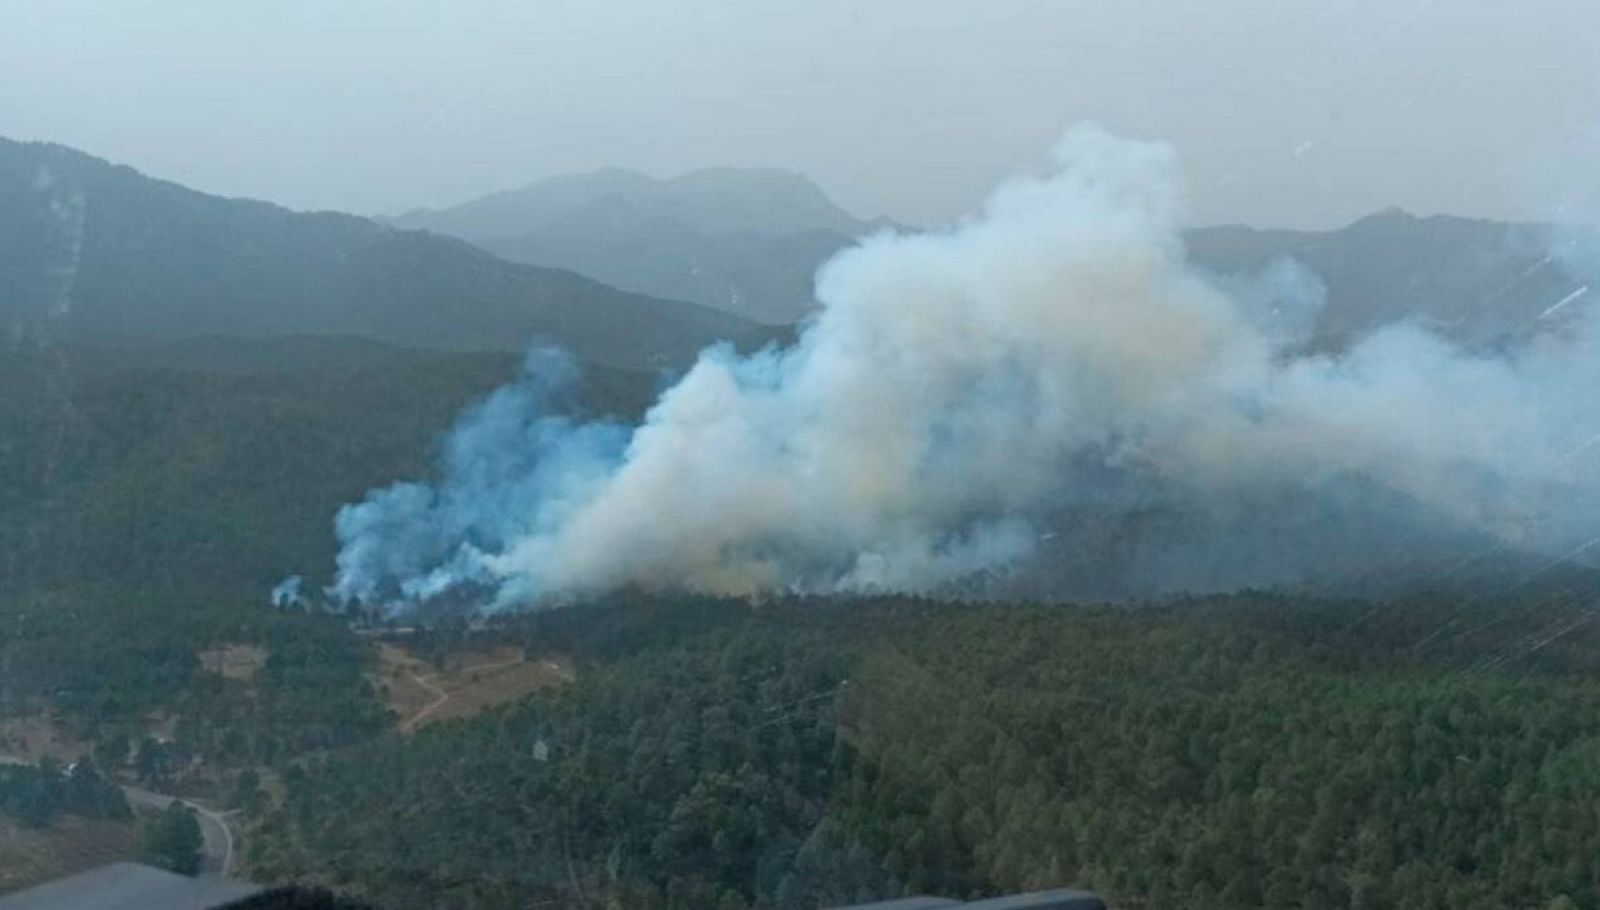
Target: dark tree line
[
  {"x": 171, "y": 839},
  {"x": 1252, "y": 751},
  {"x": 149, "y": 499},
  {"x": 36, "y": 794}
]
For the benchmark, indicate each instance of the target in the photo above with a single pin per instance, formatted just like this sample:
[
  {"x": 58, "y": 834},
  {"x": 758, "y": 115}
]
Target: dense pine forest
[
  {"x": 1172, "y": 515},
  {"x": 151, "y": 495},
  {"x": 1436, "y": 749},
  {"x": 1255, "y": 750},
  {"x": 36, "y": 794}
]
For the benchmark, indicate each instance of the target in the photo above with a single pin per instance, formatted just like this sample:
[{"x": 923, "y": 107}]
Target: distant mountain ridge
[
  {"x": 93, "y": 251},
  {"x": 1476, "y": 282},
  {"x": 749, "y": 242},
  {"x": 717, "y": 200},
  {"x": 744, "y": 240}
]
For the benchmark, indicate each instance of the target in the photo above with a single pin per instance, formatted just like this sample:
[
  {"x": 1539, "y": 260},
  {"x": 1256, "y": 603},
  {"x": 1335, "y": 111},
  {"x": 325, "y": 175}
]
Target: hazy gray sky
[{"x": 1295, "y": 112}]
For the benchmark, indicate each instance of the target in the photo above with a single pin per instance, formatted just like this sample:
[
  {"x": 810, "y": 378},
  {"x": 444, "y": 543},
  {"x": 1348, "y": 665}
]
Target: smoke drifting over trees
[{"x": 962, "y": 390}]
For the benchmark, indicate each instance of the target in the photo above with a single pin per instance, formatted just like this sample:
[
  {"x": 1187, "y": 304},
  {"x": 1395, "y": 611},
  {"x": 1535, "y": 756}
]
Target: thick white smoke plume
[{"x": 965, "y": 391}]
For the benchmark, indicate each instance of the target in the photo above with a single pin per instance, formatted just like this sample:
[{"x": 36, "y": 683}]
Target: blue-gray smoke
[
  {"x": 966, "y": 394},
  {"x": 513, "y": 469},
  {"x": 289, "y": 593}
]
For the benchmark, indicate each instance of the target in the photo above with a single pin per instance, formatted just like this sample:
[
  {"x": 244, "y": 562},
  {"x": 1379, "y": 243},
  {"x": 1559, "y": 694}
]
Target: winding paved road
[{"x": 216, "y": 849}]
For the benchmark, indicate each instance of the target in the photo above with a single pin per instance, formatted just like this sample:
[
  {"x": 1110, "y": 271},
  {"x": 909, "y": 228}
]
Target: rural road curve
[{"x": 216, "y": 849}]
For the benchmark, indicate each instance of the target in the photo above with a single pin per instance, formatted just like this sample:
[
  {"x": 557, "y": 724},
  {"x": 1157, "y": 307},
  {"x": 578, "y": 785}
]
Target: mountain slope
[
  {"x": 746, "y": 241},
  {"x": 151, "y": 495},
  {"x": 1477, "y": 282},
  {"x": 217, "y": 463},
  {"x": 712, "y": 201},
  {"x": 92, "y": 251},
  {"x": 1249, "y": 751},
  {"x": 750, "y": 242}
]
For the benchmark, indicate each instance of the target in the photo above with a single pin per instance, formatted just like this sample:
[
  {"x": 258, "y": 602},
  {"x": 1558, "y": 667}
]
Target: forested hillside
[
  {"x": 1229, "y": 752},
  {"x": 151, "y": 496},
  {"x": 750, "y": 243},
  {"x": 90, "y": 251}
]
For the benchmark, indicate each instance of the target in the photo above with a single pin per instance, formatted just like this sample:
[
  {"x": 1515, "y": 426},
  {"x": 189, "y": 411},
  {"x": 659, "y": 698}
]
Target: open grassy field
[
  {"x": 37, "y": 735},
  {"x": 234, "y": 661},
  {"x": 29, "y": 856},
  {"x": 469, "y": 682}
]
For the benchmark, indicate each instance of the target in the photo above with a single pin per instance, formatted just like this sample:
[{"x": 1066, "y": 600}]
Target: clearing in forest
[
  {"x": 235, "y": 661},
  {"x": 469, "y": 682},
  {"x": 34, "y": 736},
  {"x": 29, "y": 856}
]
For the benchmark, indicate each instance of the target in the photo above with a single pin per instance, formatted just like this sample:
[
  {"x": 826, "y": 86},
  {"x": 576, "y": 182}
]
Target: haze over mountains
[
  {"x": 745, "y": 240},
  {"x": 100, "y": 253},
  {"x": 1473, "y": 281},
  {"x": 1058, "y": 356},
  {"x": 234, "y": 376},
  {"x": 103, "y": 253},
  {"x": 749, "y": 241},
  {"x": 91, "y": 252}
]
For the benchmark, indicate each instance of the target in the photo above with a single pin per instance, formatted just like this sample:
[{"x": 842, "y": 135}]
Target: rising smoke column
[{"x": 957, "y": 390}]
